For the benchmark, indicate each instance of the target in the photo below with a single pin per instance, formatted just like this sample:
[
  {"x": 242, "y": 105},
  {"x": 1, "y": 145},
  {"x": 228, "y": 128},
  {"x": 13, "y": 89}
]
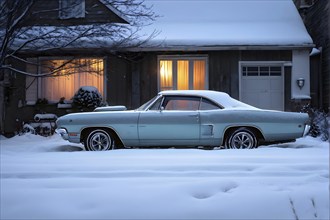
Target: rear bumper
[{"x": 306, "y": 130}]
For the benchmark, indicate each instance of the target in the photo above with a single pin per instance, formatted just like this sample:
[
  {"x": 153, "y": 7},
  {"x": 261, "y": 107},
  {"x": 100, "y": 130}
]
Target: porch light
[{"x": 300, "y": 82}]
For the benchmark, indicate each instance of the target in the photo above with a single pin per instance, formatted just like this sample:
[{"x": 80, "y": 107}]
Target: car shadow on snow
[
  {"x": 290, "y": 145},
  {"x": 67, "y": 148}
]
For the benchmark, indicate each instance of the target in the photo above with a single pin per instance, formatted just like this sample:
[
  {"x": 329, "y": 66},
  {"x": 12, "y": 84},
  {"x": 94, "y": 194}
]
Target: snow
[
  {"x": 49, "y": 178},
  {"x": 212, "y": 24},
  {"x": 315, "y": 51},
  {"x": 39, "y": 117}
]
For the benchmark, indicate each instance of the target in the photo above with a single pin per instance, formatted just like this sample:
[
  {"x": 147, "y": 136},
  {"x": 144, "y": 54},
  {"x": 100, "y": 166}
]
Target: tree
[
  {"x": 19, "y": 34},
  {"x": 62, "y": 27}
]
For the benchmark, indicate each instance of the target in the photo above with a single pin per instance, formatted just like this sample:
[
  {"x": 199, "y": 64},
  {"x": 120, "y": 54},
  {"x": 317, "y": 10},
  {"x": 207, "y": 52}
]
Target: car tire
[
  {"x": 241, "y": 138},
  {"x": 99, "y": 140}
]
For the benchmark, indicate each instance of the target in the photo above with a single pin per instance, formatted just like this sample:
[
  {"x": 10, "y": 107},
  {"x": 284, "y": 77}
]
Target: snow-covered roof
[{"x": 216, "y": 23}]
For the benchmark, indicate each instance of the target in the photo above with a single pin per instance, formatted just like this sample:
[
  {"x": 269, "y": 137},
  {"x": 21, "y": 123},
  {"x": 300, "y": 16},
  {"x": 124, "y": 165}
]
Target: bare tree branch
[{"x": 17, "y": 38}]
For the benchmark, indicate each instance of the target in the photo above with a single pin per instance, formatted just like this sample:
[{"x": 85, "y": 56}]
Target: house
[
  {"x": 257, "y": 51},
  {"x": 315, "y": 14}
]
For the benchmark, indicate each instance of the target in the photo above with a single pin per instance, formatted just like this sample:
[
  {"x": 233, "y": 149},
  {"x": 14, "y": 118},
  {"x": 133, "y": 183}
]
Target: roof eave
[
  {"x": 116, "y": 11},
  {"x": 220, "y": 47}
]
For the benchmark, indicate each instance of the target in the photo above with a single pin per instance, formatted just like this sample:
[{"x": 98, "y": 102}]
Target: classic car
[{"x": 191, "y": 118}]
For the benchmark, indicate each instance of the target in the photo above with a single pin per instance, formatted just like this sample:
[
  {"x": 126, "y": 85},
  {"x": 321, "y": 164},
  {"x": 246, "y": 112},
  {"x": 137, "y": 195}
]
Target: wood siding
[
  {"x": 223, "y": 71},
  {"x": 317, "y": 21},
  {"x": 48, "y": 14}
]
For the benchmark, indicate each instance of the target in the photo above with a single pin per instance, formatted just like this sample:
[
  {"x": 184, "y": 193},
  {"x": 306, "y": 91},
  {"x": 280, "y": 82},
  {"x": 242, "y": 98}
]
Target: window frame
[
  {"x": 201, "y": 99},
  {"x": 176, "y": 58}
]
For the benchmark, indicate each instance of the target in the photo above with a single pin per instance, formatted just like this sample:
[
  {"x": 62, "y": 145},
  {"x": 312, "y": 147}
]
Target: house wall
[
  {"x": 223, "y": 71},
  {"x": 118, "y": 81},
  {"x": 317, "y": 21},
  {"x": 48, "y": 14},
  {"x": 14, "y": 99}
]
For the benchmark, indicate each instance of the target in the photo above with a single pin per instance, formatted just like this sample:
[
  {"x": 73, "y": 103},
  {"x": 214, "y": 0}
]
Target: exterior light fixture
[{"x": 300, "y": 82}]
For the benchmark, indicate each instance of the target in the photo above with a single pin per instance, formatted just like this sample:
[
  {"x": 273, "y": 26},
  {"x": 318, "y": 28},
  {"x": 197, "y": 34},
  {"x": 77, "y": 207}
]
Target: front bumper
[
  {"x": 64, "y": 134},
  {"x": 306, "y": 130}
]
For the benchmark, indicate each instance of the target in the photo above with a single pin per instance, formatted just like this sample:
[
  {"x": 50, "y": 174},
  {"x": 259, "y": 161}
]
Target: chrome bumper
[
  {"x": 64, "y": 134},
  {"x": 306, "y": 130}
]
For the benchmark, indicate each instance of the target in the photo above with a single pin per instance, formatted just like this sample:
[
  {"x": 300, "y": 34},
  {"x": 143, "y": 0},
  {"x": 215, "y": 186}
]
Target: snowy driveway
[{"x": 48, "y": 178}]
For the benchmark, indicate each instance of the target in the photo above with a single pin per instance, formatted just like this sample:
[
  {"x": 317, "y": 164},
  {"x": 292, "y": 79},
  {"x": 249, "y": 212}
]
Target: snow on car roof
[{"x": 221, "y": 98}]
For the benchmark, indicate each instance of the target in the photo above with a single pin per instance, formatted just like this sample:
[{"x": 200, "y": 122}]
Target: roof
[
  {"x": 219, "y": 97},
  {"x": 223, "y": 23}
]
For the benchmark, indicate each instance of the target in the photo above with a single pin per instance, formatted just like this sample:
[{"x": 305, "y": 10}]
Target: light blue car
[{"x": 183, "y": 118}]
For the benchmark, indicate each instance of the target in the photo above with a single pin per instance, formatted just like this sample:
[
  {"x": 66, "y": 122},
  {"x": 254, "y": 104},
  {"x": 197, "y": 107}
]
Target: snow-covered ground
[{"x": 48, "y": 178}]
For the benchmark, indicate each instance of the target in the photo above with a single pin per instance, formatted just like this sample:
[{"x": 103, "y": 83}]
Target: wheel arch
[
  {"x": 85, "y": 131},
  {"x": 229, "y": 130}
]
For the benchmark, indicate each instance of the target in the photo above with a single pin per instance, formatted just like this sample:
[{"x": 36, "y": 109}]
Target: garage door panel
[
  {"x": 276, "y": 84},
  {"x": 263, "y": 91},
  {"x": 256, "y": 85}
]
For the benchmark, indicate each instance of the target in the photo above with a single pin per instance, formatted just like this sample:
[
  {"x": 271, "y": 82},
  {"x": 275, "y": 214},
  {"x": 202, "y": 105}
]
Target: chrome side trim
[{"x": 306, "y": 130}]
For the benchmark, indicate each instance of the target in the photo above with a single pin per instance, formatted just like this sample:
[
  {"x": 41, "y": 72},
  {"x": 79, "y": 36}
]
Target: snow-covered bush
[
  {"x": 87, "y": 97},
  {"x": 319, "y": 122}
]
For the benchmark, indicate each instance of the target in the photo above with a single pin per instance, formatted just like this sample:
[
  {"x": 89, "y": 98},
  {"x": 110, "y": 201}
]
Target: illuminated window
[
  {"x": 182, "y": 73},
  {"x": 69, "y": 76}
]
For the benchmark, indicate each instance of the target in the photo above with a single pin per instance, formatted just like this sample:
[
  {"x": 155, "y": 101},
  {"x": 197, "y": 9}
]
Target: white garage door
[{"x": 262, "y": 86}]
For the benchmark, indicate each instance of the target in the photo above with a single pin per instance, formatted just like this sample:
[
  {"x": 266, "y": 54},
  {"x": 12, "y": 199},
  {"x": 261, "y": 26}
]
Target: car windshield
[{"x": 145, "y": 105}]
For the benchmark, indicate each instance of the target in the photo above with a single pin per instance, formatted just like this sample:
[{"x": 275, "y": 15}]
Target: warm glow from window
[
  {"x": 183, "y": 74},
  {"x": 199, "y": 74},
  {"x": 69, "y": 76},
  {"x": 166, "y": 75}
]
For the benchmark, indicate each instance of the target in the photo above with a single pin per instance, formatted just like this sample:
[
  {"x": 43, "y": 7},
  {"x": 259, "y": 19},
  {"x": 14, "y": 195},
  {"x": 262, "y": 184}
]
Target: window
[
  {"x": 70, "y": 75},
  {"x": 262, "y": 70},
  {"x": 71, "y": 9},
  {"x": 182, "y": 73},
  {"x": 181, "y": 103},
  {"x": 208, "y": 105}
]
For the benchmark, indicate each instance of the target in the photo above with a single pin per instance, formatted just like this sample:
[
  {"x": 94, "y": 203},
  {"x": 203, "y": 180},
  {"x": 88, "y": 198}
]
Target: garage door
[{"x": 262, "y": 86}]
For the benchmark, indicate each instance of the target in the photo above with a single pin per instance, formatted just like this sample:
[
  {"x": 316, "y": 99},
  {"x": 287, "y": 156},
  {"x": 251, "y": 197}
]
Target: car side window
[
  {"x": 208, "y": 105},
  {"x": 181, "y": 103},
  {"x": 156, "y": 105}
]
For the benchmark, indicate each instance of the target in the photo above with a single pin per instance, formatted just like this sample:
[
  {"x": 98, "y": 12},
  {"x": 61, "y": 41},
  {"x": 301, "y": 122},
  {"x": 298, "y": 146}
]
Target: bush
[
  {"x": 319, "y": 122},
  {"x": 87, "y": 97}
]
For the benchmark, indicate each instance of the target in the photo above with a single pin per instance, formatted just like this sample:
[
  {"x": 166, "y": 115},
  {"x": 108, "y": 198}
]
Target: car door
[{"x": 172, "y": 120}]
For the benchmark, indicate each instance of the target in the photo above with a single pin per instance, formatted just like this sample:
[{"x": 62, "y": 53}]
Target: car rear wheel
[
  {"x": 99, "y": 140},
  {"x": 241, "y": 138}
]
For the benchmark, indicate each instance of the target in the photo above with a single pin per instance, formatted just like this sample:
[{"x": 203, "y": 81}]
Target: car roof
[{"x": 220, "y": 98}]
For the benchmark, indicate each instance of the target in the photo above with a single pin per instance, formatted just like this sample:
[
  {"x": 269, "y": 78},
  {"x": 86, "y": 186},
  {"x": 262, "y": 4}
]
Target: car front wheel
[
  {"x": 99, "y": 140},
  {"x": 241, "y": 138}
]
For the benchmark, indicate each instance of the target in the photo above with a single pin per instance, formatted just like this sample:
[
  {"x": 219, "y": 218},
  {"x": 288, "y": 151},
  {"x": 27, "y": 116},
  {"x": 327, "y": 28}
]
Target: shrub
[
  {"x": 87, "y": 97},
  {"x": 319, "y": 121}
]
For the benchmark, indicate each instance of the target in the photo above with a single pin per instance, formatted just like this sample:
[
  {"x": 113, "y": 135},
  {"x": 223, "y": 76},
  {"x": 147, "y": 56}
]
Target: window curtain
[
  {"x": 183, "y": 74},
  {"x": 70, "y": 76},
  {"x": 166, "y": 75},
  {"x": 199, "y": 74}
]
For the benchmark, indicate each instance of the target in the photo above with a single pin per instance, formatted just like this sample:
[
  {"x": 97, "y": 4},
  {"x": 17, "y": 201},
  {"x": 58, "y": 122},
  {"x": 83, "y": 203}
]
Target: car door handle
[{"x": 193, "y": 115}]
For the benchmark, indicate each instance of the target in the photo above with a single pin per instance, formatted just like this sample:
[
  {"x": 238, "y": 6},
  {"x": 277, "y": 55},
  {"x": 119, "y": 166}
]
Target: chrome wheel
[
  {"x": 242, "y": 139},
  {"x": 99, "y": 140}
]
